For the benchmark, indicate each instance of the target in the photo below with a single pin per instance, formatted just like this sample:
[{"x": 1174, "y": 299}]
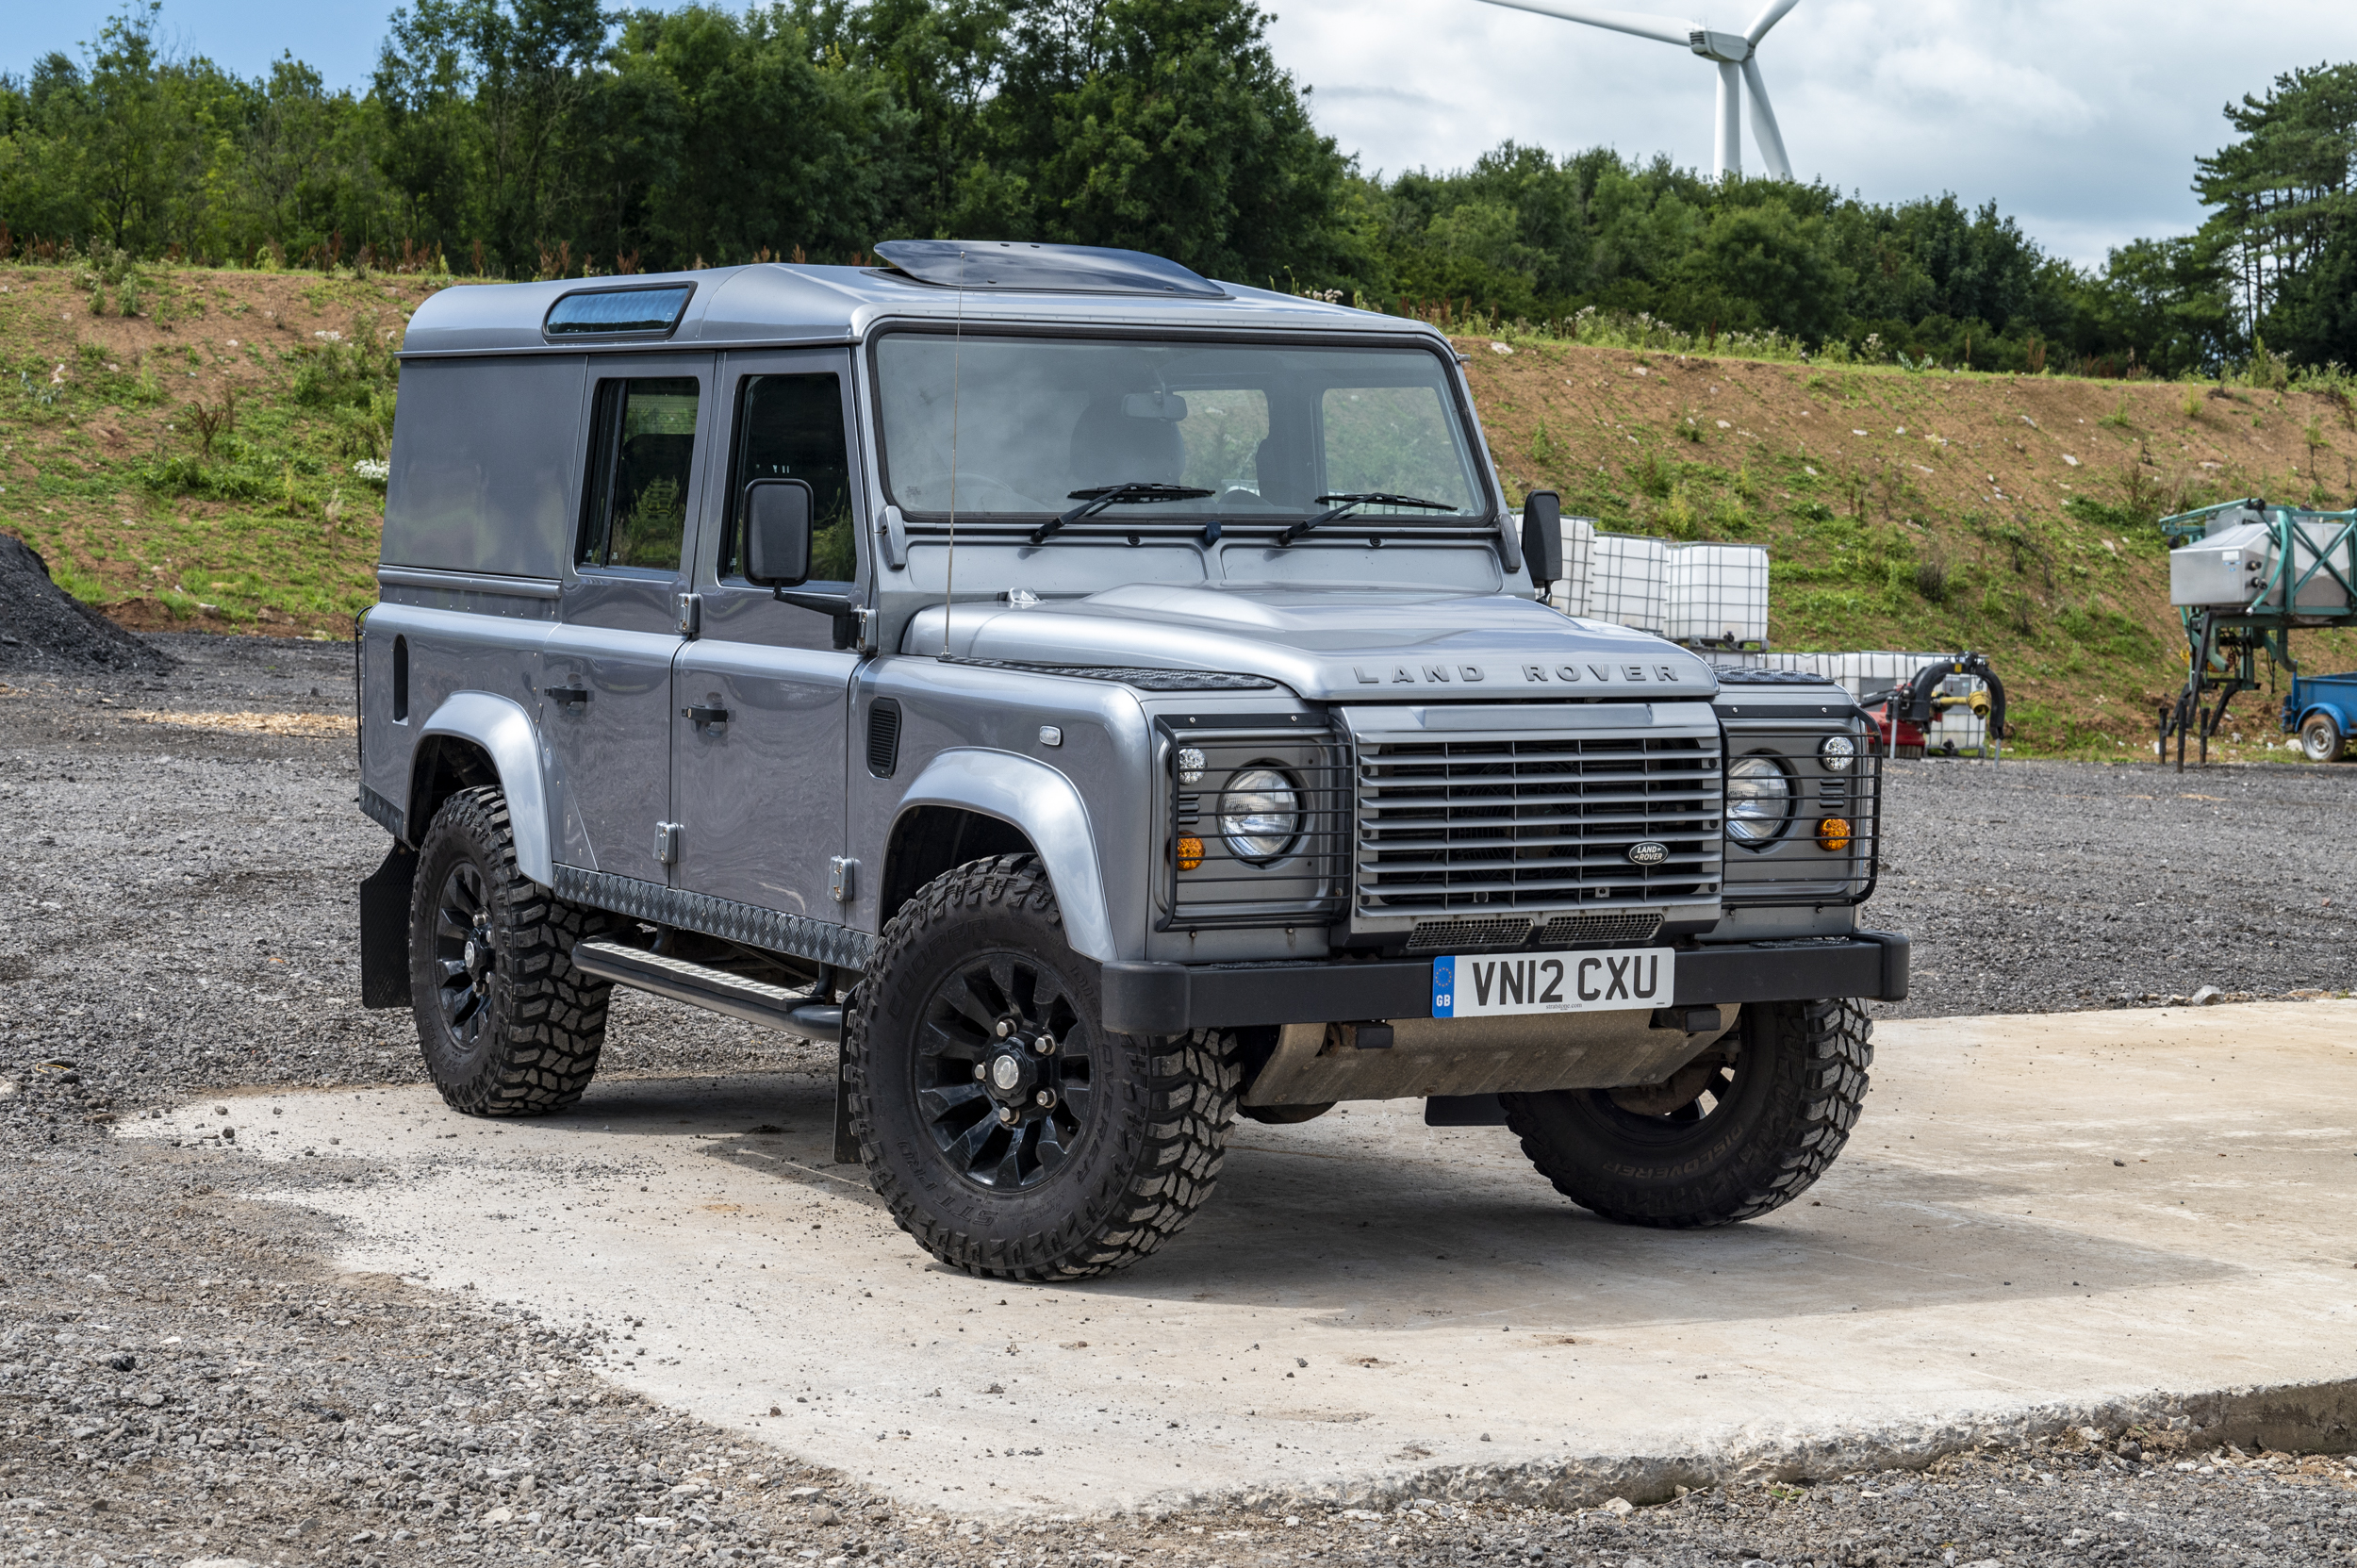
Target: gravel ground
[{"x": 183, "y": 1378}]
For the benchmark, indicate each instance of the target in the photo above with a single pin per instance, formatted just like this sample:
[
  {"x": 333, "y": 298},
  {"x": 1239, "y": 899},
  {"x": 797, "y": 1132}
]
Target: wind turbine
[{"x": 1736, "y": 55}]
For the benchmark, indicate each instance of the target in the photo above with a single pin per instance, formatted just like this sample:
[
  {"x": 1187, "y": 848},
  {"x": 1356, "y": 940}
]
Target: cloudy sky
[{"x": 2081, "y": 118}]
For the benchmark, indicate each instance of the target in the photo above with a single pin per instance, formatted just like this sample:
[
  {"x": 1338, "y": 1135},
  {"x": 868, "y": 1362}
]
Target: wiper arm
[
  {"x": 1345, "y": 504},
  {"x": 1135, "y": 493}
]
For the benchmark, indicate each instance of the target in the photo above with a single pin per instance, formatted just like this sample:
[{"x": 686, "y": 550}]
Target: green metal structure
[{"x": 2308, "y": 579}]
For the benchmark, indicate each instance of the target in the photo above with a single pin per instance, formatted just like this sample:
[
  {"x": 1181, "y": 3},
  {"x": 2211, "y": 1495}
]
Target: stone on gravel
[{"x": 44, "y": 628}]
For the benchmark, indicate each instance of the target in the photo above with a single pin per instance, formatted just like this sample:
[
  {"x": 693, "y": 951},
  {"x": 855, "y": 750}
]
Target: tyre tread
[
  {"x": 552, "y": 1028},
  {"x": 1837, "y": 1051},
  {"x": 1180, "y": 1125}
]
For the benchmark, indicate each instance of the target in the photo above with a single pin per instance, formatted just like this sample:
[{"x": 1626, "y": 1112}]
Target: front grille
[
  {"x": 1524, "y": 820},
  {"x": 1579, "y": 931},
  {"x": 1434, "y": 936}
]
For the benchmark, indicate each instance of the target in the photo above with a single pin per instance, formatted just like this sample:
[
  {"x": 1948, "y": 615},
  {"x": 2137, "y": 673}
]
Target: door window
[
  {"x": 642, "y": 450},
  {"x": 791, "y": 427}
]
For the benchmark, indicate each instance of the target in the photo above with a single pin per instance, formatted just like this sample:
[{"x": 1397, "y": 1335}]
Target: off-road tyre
[
  {"x": 1780, "y": 1113},
  {"x": 525, "y": 1038},
  {"x": 2321, "y": 739},
  {"x": 1148, "y": 1144}
]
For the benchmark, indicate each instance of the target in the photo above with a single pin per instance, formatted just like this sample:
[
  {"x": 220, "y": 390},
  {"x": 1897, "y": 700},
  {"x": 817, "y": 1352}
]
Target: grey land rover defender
[{"x": 1102, "y": 702}]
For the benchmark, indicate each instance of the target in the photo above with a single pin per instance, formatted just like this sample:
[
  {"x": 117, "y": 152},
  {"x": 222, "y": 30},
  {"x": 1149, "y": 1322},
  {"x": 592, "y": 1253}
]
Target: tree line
[{"x": 553, "y": 137}]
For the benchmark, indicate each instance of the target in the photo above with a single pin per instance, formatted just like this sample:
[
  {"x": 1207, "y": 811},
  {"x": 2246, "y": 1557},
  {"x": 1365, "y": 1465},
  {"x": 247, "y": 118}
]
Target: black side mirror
[
  {"x": 1543, "y": 536},
  {"x": 777, "y": 532}
]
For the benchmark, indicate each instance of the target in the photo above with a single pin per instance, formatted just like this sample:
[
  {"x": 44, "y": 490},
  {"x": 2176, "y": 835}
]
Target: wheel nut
[
  {"x": 1044, "y": 1098},
  {"x": 1007, "y": 1114},
  {"x": 1005, "y": 1028},
  {"x": 1045, "y": 1045},
  {"x": 980, "y": 1072}
]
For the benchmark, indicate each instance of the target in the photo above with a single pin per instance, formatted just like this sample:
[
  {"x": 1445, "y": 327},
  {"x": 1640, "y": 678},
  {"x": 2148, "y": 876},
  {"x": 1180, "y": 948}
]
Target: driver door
[{"x": 760, "y": 792}]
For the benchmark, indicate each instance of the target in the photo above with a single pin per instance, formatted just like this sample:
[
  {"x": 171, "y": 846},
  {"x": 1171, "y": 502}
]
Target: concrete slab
[{"x": 2037, "y": 1214}]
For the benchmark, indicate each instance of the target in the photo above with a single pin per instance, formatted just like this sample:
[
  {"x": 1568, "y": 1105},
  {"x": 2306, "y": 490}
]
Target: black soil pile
[{"x": 44, "y": 628}]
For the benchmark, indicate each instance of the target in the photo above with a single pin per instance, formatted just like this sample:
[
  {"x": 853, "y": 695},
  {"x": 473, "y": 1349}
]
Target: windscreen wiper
[
  {"x": 1136, "y": 494},
  {"x": 1351, "y": 502}
]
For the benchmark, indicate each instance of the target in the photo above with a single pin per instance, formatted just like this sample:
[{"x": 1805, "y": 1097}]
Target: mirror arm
[{"x": 846, "y": 611}]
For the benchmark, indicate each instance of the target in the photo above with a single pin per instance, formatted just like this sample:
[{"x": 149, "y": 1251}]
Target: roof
[{"x": 775, "y": 303}]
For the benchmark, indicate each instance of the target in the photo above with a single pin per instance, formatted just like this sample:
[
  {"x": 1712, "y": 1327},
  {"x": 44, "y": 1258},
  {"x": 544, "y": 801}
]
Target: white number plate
[{"x": 1597, "y": 981}]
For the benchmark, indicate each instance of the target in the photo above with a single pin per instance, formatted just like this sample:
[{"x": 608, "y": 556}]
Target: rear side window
[
  {"x": 791, "y": 427},
  {"x": 642, "y": 449}
]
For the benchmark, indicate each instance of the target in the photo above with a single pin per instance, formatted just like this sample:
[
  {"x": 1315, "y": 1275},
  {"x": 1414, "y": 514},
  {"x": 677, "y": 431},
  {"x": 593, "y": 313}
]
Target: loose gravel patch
[
  {"x": 184, "y": 1377},
  {"x": 2044, "y": 887}
]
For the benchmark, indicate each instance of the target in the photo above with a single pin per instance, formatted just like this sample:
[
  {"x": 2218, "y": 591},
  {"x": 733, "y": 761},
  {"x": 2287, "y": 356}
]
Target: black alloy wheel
[
  {"x": 466, "y": 955},
  {"x": 1003, "y": 1071}
]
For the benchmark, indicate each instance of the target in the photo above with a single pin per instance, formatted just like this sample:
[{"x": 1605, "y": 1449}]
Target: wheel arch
[
  {"x": 1002, "y": 803},
  {"x": 476, "y": 738}
]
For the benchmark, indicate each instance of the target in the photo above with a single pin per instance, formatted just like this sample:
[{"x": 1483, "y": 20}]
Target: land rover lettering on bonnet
[{"x": 1101, "y": 703}]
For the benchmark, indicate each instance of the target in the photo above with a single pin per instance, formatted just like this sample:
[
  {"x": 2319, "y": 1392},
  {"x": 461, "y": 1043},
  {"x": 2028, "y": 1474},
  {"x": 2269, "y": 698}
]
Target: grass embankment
[
  {"x": 190, "y": 464},
  {"x": 1913, "y": 510},
  {"x": 179, "y": 443}
]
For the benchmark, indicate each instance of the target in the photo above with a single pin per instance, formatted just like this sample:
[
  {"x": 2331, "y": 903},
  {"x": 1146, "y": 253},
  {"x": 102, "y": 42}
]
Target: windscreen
[{"x": 1266, "y": 430}]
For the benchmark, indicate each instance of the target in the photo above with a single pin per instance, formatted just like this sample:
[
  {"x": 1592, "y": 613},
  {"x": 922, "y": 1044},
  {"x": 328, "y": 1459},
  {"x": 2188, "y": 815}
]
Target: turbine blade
[
  {"x": 1770, "y": 15},
  {"x": 1764, "y": 130},
  {"x": 1661, "y": 28},
  {"x": 1727, "y": 148}
]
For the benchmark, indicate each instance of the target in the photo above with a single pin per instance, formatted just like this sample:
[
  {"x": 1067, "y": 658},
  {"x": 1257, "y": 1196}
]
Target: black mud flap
[
  {"x": 846, "y": 1145},
  {"x": 385, "y": 930},
  {"x": 1464, "y": 1110}
]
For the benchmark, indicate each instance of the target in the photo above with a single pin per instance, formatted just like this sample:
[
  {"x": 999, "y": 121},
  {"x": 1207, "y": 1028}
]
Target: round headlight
[
  {"x": 1760, "y": 800},
  {"x": 1836, "y": 752},
  {"x": 1259, "y": 814}
]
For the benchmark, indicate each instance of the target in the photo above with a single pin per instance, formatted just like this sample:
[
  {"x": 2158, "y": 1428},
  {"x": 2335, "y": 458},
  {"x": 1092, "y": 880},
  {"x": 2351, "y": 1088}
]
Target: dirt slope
[
  {"x": 1900, "y": 510},
  {"x": 102, "y": 469},
  {"x": 1919, "y": 511}
]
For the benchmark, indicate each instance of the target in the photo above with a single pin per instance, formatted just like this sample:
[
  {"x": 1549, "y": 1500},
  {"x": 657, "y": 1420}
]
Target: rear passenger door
[
  {"x": 760, "y": 793},
  {"x": 606, "y": 687}
]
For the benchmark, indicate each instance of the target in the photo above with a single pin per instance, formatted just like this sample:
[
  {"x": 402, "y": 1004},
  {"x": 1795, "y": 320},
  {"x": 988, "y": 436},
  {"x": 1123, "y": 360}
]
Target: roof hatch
[{"x": 1019, "y": 265}]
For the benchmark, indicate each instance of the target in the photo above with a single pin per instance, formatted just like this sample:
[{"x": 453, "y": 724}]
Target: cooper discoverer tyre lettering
[
  {"x": 509, "y": 1027},
  {"x": 1010, "y": 1134}
]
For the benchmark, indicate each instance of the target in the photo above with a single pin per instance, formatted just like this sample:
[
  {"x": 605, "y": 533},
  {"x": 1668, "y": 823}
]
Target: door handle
[
  {"x": 701, "y": 716},
  {"x": 565, "y": 696}
]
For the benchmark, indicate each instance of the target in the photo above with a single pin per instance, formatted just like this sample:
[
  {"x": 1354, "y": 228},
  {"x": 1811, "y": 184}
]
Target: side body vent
[{"x": 883, "y": 737}]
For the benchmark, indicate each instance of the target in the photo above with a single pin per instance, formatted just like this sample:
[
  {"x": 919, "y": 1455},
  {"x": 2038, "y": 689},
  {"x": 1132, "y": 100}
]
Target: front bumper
[{"x": 1171, "y": 998}]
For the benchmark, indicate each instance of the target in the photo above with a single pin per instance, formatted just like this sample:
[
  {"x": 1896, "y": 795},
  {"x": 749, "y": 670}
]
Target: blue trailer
[{"x": 2322, "y": 711}]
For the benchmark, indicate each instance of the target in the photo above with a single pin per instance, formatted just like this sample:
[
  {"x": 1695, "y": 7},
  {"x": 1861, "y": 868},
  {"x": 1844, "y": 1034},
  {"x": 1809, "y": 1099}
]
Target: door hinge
[
  {"x": 841, "y": 875},
  {"x": 691, "y": 614},
  {"x": 667, "y": 843}
]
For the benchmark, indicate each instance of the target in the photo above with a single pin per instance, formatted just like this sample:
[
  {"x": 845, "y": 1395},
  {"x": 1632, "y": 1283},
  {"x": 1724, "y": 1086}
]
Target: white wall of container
[{"x": 1685, "y": 592}]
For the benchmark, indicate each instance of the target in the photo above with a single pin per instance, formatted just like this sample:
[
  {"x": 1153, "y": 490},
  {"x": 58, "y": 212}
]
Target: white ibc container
[
  {"x": 1630, "y": 582},
  {"x": 1717, "y": 593}
]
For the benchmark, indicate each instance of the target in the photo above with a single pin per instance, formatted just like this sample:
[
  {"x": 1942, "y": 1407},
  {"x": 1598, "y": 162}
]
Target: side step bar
[{"x": 714, "y": 990}]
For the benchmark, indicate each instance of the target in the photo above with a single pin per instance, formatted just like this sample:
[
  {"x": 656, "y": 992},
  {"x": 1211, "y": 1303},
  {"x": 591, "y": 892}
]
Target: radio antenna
[{"x": 949, "y": 575}]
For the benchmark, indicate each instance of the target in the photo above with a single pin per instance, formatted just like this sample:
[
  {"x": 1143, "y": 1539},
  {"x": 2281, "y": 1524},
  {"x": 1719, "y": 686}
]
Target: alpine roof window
[{"x": 618, "y": 311}]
